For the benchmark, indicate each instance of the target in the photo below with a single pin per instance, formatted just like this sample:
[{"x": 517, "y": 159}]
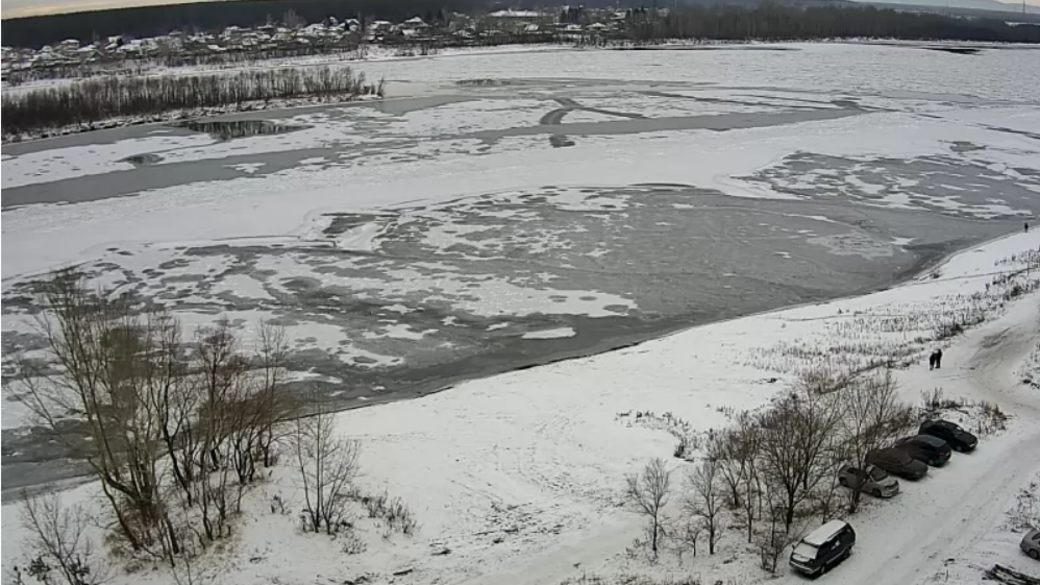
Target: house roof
[{"x": 515, "y": 14}]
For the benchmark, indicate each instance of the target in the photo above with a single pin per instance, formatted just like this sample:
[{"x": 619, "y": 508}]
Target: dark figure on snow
[
  {"x": 1027, "y": 227},
  {"x": 935, "y": 360}
]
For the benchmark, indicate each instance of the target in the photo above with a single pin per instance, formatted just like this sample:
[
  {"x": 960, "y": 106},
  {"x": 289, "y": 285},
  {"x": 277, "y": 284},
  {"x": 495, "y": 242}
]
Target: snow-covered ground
[{"x": 520, "y": 475}]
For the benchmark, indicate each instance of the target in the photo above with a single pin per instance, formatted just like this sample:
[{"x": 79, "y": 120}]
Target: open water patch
[{"x": 231, "y": 129}]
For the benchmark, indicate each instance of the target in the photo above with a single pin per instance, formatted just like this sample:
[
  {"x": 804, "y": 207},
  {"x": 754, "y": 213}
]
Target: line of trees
[
  {"x": 773, "y": 473},
  {"x": 96, "y": 100},
  {"x": 776, "y": 22}
]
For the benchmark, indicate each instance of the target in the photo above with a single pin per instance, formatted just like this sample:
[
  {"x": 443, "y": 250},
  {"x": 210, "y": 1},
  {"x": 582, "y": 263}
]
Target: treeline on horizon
[
  {"x": 771, "y": 21},
  {"x": 764, "y": 21}
]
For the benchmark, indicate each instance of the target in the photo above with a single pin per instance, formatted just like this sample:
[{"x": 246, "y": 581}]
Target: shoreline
[{"x": 69, "y": 477}]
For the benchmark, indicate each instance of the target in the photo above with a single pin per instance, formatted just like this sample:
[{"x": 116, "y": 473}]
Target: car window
[
  {"x": 806, "y": 550},
  {"x": 878, "y": 474}
]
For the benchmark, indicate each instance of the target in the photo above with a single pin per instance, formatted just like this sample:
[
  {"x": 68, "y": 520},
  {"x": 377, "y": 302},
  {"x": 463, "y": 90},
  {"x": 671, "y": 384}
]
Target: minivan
[
  {"x": 823, "y": 548},
  {"x": 931, "y": 450}
]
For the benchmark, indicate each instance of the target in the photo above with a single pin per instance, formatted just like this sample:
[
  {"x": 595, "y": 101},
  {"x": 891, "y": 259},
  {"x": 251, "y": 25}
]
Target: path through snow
[{"x": 940, "y": 518}]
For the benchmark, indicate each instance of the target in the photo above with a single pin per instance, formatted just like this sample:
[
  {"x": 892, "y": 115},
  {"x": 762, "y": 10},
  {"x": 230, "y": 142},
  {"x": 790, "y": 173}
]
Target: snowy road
[{"x": 934, "y": 522}]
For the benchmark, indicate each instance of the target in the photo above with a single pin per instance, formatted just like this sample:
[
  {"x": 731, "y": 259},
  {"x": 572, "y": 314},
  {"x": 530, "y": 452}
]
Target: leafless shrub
[
  {"x": 1026, "y": 513},
  {"x": 949, "y": 329},
  {"x": 934, "y": 401},
  {"x": 352, "y": 544},
  {"x": 648, "y": 493},
  {"x": 327, "y": 464},
  {"x": 992, "y": 419},
  {"x": 399, "y": 517},
  {"x": 278, "y": 505},
  {"x": 375, "y": 505},
  {"x": 61, "y": 551}
]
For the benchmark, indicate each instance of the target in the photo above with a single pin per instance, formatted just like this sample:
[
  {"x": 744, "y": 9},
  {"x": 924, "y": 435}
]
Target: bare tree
[
  {"x": 797, "y": 435},
  {"x": 271, "y": 356},
  {"x": 704, "y": 499},
  {"x": 872, "y": 416},
  {"x": 776, "y": 537},
  {"x": 112, "y": 366},
  {"x": 686, "y": 535},
  {"x": 737, "y": 451},
  {"x": 58, "y": 541},
  {"x": 327, "y": 464},
  {"x": 648, "y": 492}
]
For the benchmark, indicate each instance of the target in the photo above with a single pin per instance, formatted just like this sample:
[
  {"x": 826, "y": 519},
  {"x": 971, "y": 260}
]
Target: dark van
[{"x": 823, "y": 548}]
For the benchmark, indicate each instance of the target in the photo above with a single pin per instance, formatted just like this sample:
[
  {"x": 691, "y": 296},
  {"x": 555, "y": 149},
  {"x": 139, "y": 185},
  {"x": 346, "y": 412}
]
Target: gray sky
[{"x": 12, "y": 8}]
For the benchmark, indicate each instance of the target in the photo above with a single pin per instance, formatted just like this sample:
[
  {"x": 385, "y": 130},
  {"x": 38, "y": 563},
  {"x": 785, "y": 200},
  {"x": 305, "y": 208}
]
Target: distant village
[{"x": 293, "y": 37}]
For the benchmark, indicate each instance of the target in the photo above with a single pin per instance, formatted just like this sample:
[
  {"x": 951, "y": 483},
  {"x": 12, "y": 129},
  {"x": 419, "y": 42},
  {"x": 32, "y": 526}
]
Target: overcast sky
[{"x": 12, "y": 8}]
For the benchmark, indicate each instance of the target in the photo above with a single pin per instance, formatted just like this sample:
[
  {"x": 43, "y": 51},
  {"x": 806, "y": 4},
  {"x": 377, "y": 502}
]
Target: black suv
[
  {"x": 823, "y": 548},
  {"x": 897, "y": 462},
  {"x": 932, "y": 450},
  {"x": 958, "y": 438}
]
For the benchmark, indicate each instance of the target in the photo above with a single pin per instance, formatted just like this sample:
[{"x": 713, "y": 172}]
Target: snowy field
[{"x": 527, "y": 207}]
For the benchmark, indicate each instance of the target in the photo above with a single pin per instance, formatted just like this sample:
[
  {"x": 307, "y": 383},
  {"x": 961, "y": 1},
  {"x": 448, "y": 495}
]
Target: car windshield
[
  {"x": 804, "y": 549},
  {"x": 878, "y": 474}
]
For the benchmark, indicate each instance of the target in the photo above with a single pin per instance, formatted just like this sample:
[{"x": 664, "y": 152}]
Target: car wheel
[
  {"x": 1034, "y": 554},
  {"x": 876, "y": 493},
  {"x": 843, "y": 482}
]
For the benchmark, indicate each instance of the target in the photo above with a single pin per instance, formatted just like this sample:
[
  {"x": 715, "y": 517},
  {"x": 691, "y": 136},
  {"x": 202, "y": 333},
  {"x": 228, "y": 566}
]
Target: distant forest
[
  {"x": 765, "y": 21},
  {"x": 771, "y": 21}
]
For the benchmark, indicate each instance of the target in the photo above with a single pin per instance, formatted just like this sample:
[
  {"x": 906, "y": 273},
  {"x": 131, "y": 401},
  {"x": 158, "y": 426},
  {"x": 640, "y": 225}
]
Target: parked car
[
  {"x": 873, "y": 480},
  {"x": 931, "y": 450},
  {"x": 823, "y": 548},
  {"x": 958, "y": 438},
  {"x": 898, "y": 463},
  {"x": 1031, "y": 544}
]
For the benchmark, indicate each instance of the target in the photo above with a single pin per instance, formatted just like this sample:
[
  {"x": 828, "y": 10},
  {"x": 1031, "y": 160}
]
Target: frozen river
[{"x": 524, "y": 208}]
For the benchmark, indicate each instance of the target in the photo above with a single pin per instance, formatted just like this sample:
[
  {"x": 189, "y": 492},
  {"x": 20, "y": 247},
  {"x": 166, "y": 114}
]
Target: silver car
[
  {"x": 1031, "y": 544},
  {"x": 874, "y": 480}
]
